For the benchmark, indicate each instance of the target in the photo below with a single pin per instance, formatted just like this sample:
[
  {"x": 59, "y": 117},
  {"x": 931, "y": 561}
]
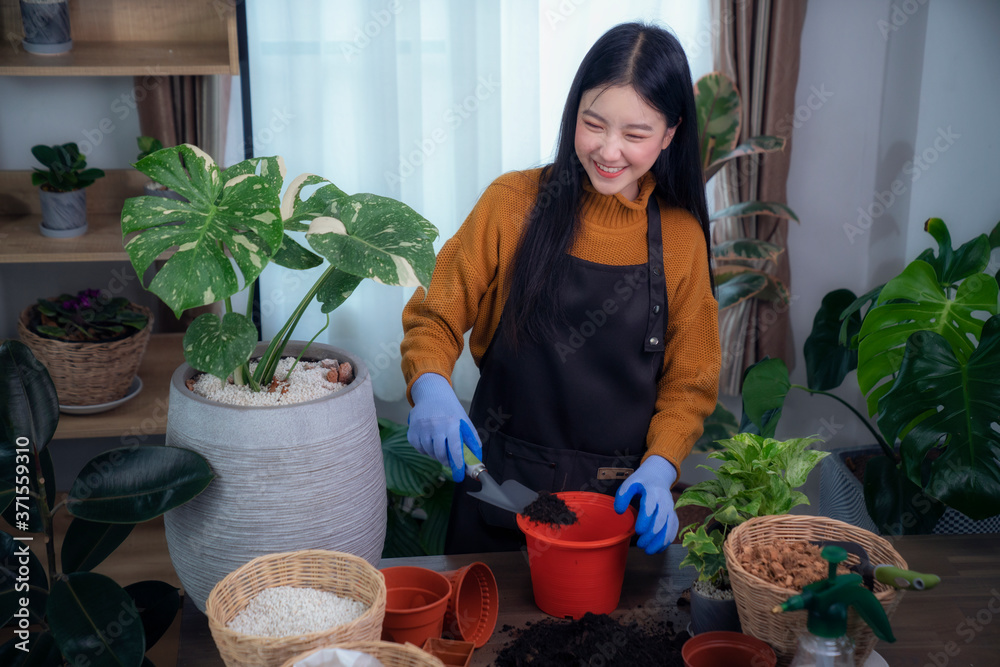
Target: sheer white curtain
[{"x": 426, "y": 102}]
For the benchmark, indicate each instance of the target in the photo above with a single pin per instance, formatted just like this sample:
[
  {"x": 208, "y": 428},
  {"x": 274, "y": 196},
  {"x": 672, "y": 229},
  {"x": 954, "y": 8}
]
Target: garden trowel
[
  {"x": 511, "y": 495},
  {"x": 887, "y": 574}
]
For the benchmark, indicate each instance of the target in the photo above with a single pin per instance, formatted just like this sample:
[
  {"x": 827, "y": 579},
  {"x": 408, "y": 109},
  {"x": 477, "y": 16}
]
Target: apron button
[
  {"x": 656, "y": 309},
  {"x": 654, "y": 341},
  {"x": 656, "y": 272}
]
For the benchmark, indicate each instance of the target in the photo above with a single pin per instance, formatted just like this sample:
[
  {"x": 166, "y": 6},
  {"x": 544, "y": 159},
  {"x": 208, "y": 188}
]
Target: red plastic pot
[
  {"x": 474, "y": 604},
  {"x": 721, "y": 648},
  {"x": 580, "y": 567},
  {"x": 415, "y": 602}
]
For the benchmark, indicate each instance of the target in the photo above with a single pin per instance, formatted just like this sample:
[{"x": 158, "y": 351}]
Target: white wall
[{"x": 897, "y": 76}]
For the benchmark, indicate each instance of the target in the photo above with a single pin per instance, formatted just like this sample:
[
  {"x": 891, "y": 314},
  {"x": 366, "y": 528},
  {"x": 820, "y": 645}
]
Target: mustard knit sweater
[{"x": 470, "y": 283}]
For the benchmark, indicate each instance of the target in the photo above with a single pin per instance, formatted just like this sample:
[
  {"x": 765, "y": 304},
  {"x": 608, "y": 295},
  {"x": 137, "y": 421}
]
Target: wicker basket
[
  {"x": 389, "y": 654},
  {"x": 755, "y": 598},
  {"x": 88, "y": 373},
  {"x": 340, "y": 573}
]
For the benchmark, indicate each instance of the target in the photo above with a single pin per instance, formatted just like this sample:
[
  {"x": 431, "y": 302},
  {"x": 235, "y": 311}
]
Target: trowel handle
[
  {"x": 473, "y": 466},
  {"x": 905, "y": 579}
]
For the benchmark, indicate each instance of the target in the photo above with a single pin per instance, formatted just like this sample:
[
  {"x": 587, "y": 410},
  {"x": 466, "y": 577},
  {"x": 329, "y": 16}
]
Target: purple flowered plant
[{"x": 87, "y": 315}]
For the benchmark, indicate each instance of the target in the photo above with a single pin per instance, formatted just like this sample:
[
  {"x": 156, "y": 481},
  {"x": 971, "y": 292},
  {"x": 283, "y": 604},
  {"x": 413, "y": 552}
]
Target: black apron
[{"x": 569, "y": 414}]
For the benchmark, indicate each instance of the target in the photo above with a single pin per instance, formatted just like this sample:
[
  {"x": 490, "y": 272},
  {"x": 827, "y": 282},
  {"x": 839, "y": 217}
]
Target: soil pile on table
[
  {"x": 789, "y": 564},
  {"x": 593, "y": 640},
  {"x": 550, "y": 509}
]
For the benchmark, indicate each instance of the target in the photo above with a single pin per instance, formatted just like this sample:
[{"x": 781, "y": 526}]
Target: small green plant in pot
[
  {"x": 926, "y": 347},
  {"x": 62, "y": 189},
  {"x": 758, "y": 476},
  {"x": 62, "y": 611}
]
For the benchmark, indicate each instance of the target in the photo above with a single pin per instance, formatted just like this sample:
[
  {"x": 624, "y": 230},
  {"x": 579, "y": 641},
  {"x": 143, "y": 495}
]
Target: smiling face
[{"x": 618, "y": 138}]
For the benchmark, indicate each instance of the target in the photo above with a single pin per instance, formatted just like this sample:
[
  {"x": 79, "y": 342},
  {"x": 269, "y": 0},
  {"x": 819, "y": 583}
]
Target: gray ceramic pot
[
  {"x": 709, "y": 614},
  {"x": 46, "y": 26},
  {"x": 64, "y": 214},
  {"x": 302, "y": 476}
]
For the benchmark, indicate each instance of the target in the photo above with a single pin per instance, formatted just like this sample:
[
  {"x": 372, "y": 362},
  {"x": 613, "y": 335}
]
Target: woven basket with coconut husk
[
  {"x": 389, "y": 654},
  {"x": 340, "y": 573},
  {"x": 755, "y": 597},
  {"x": 88, "y": 373}
]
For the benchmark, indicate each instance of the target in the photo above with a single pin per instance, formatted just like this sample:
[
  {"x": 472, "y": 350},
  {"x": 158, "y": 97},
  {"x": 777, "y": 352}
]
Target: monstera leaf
[
  {"x": 828, "y": 361},
  {"x": 942, "y": 400},
  {"x": 915, "y": 301},
  {"x": 235, "y": 212}
]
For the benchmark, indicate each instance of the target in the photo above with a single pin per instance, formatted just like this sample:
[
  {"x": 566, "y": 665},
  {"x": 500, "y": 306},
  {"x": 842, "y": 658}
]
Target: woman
[{"x": 588, "y": 289}]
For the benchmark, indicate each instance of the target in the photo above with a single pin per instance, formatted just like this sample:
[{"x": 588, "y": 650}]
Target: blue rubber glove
[
  {"x": 657, "y": 522},
  {"x": 438, "y": 424}
]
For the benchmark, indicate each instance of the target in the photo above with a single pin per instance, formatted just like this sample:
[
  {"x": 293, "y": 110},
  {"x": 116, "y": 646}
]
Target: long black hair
[{"x": 653, "y": 63}]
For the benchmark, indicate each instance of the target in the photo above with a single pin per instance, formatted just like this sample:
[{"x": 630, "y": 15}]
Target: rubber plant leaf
[
  {"x": 158, "y": 603},
  {"x": 219, "y": 346},
  {"x": 407, "y": 471},
  {"x": 753, "y": 145},
  {"x": 42, "y": 652},
  {"x": 373, "y": 237},
  {"x": 746, "y": 249},
  {"x": 88, "y": 543},
  {"x": 29, "y": 406},
  {"x": 81, "y": 608},
  {"x": 135, "y": 484},
  {"x": 949, "y": 403},
  {"x": 828, "y": 361},
  {"x": 747, "y": 208},
  {"x": 11, "y": 554},
  {"x": 717, "y": 105},
  {"x": 736, "y": 287},
  {"x": 225, "y": 221},
  {"x": 895, "y": 503},
  {"x": 927, "y": 307},
  {"x": 765, "y": 386}
]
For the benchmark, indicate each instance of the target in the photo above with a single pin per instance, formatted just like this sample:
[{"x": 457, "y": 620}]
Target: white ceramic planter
[
  {"x": 303, "y": 476},
  {"x": 64, "y": 214}
]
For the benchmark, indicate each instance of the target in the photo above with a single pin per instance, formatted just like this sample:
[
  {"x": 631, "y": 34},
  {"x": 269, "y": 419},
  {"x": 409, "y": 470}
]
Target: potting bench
[{"x": 958, "y": 623}]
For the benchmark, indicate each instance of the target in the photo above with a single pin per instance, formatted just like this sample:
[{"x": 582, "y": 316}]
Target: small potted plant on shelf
[
  {"x": 925, "y": 346},
  {"x": 63, "y": 611},
  {"x": 233, "y": 224},
  {"x": 46, "y": 26},
  {"x": 62, "y": 189},
  {"x": 91, "y": 342},
  {"x": 758, "y": 477}
]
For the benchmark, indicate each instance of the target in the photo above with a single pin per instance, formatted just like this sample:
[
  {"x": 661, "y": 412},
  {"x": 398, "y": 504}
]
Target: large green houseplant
[
  {"x": 926, "y": 348},
  {"x": 758, "y": 476},
  {"x": 63, "y": 611},
  {"x": 233, "y": 223}
]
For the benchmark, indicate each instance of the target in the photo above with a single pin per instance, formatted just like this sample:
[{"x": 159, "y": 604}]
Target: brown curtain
[
  {"x": 184, "y": 110},
  {"x": 758, "y": 47}
]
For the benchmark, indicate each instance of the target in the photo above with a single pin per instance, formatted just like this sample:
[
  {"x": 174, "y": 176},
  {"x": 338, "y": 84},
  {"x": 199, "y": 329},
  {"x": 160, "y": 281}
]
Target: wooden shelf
[
  {"x": 131, "y": 37},
  {"x": 144, "y": 415},
  {"x": 121, "y": 59}
]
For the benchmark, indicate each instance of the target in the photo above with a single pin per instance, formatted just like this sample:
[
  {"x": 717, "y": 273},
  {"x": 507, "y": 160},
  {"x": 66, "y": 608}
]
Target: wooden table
[{"x": 958, "y": 623}]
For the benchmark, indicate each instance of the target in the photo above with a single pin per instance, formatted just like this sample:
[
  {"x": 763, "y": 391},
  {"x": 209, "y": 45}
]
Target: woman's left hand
[{"x": 657, "y": 522}]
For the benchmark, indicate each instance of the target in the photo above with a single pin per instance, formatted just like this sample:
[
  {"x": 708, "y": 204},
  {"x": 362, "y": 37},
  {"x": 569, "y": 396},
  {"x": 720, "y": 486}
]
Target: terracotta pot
[
  {"x": 709, "y": 614},
  {"x": 415, "y": 602},
  {"x": 474, "y": 604},
  {"x": 449, "y": 651},
  {"x": 727, "y": 649}
]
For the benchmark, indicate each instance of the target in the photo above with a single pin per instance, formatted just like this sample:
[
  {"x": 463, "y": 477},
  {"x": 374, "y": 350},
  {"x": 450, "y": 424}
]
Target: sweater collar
[{"x": 617, "y": 210}]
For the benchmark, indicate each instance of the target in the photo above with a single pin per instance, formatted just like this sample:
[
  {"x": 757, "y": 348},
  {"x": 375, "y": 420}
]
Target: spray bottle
[{"x": 827, "y": 644}]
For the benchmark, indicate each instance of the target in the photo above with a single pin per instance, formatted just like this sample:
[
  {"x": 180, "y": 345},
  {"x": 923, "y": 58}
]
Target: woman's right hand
[{"x": 438, "y": 424}]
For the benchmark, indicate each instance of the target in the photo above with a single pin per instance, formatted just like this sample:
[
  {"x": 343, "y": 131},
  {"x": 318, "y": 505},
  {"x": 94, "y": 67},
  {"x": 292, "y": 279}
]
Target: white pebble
[
  {"x": 304, "y": 384},
  {"x": 286, "y": 611}
]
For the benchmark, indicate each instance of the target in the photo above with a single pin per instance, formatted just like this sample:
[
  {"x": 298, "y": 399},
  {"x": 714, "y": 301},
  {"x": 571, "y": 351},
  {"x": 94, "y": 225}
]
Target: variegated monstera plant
[{"x": 235, "y": 222}]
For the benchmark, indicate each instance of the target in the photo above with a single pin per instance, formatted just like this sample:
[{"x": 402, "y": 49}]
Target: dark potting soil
[
  {"x": 592, "y": 640},
  {"x": 550, "y": 509}
]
